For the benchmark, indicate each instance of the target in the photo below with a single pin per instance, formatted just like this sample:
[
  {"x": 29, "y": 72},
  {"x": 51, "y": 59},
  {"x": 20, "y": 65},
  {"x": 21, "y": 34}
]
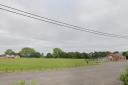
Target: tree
[
  {"x": 75, "y": 55},
  {"x": 64, "y": 55},
  {"x": 98, "y": 54},
  {"x": 70, "y": 54},
  {"x": 78, "y": 55},
  {"x": 9, "y": 52},
  {"x": 125, "y": 54},
  {"x": 49, "y": 55},
  {"x": 29, "y": 53},
  {"x": 85, "y": 55},
  {"x": 35, "y": 55},
  {"x": 57, "y": 52},
  {"x": 116, "y": 52}
]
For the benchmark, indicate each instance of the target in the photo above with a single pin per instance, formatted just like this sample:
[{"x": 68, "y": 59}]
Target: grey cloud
[{"x": 103, "y": 15}]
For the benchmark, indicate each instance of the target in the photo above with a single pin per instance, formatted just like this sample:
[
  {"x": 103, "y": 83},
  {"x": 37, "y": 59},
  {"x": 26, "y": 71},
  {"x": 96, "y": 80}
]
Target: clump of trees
[
  {"x": 25, "y": 53},
  {"x": 29, "y": 53},
  {"x": 59, "y": 53},
  {"x": 9, "y": 52}
]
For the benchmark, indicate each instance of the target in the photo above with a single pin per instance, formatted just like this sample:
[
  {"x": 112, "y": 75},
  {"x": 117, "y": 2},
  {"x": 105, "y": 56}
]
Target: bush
[{"x": 124, "y": 78}]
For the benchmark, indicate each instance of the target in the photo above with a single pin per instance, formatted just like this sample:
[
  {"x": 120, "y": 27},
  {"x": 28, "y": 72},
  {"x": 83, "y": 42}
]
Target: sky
[{"x": 109, "y": 16}]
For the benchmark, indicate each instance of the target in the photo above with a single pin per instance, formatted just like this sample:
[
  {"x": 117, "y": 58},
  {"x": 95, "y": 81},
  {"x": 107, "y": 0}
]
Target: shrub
[{"x": 124, "y": 78}]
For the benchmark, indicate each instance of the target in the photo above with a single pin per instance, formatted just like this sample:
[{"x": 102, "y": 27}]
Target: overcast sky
[{"x": 109, "y": 16}]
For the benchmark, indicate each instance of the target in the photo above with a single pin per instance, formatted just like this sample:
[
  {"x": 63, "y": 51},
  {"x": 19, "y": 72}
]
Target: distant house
[
  {"x": 9, "y": 56},
  {"x": 2, "y": 56},
  {"x": 116, "y": 57}
]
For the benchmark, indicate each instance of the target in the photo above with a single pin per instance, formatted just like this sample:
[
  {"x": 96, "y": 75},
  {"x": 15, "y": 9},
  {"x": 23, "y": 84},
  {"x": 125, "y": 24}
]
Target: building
[
  {"x": 116, "y": 57},
  {"x": 9, "y": 56}
]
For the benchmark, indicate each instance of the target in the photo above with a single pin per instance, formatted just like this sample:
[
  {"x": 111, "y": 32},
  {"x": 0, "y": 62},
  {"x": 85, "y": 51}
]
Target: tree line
[{"x": 59, "y": 53}]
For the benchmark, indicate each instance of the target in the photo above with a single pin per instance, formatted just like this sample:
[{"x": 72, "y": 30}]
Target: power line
[
  {"x": 45, "y": 17},
  {"x": 92, "y": 31},
  {"x": 48, "y": 20}
]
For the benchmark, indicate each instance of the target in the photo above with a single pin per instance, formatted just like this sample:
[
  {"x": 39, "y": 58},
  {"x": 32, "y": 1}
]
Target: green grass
[
  {"x": 33, "y": 64},
  {"x": 23, "y": 82}
]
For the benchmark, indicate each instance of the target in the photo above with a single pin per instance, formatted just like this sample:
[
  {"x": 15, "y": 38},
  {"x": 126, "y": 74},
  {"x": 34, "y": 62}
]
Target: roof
[
  {"x": 8, "y": 55},
  {"x": 2, "y": 55},
  {"x": 116, "y": 55}
]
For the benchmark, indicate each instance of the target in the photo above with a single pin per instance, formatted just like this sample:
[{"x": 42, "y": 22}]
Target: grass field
[{"x": 19, "y": 65}]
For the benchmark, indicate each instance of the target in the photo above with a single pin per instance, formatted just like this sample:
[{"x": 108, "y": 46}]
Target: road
[{"x": 106, "y": 74}]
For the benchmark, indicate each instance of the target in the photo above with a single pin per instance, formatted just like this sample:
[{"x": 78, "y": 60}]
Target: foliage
[
  {"x": 74, "y": 55},
  {"x": 99, "y": 54},
  {"x": 26, "y": 52},
  {"x": 29, "y": 53},
  {"x": 9, "y": 52},
  {"x": 49, "y": 55},
  {"x": 33, "y": 82},
  {"x": 23, "y": 82},
  {"x": 15, "y": 83},
  {"x": 125, "y": 54},
  {"x": 85, "y": 55},
  {"x": 124, "y": 78},
  {"x": 35, "y": 55},
  {"x": 41, "y": 64},
  {"x": 57, "y": 52}
]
